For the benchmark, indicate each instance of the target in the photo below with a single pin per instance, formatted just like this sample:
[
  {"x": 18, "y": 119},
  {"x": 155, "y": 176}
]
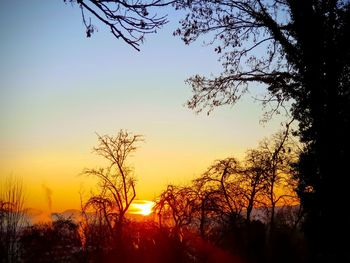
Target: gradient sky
[{"x": 57, "y": 88}]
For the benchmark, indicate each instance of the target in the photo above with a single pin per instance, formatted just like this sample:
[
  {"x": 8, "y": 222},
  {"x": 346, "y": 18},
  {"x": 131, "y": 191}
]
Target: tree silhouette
[
  {"x": 207, "y": 206},
  {"x": 224, "y": 178},
  {"x": 116, "y": 182},
  {"x": 247, "y": 207},
  {"x": 175, "y": 207},
  {"x": 12, "y": 217},
  {"x": 263, "y": 179},
  {"x": 254, "y": 182},
  {"x": 274, "y": 158},
  {"x": 127, "y": 20},
  {"x": 300, "y": 51}
]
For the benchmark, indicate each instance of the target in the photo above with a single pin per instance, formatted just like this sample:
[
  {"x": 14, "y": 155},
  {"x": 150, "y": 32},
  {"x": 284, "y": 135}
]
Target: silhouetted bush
[{"x": 58, "y": 241}]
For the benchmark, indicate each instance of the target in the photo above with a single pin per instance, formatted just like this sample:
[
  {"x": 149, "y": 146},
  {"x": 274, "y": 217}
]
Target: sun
[
  {"x": 141, "y": 207},
  {"x": 146, "y": 209}
]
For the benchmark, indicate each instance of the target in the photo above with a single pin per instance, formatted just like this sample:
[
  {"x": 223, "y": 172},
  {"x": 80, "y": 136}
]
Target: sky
[{"x": 59, "y": 88}]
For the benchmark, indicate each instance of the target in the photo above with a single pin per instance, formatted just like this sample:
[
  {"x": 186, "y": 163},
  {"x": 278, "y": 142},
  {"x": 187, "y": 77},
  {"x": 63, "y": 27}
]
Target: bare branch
[{"x": 130, "y": 21}]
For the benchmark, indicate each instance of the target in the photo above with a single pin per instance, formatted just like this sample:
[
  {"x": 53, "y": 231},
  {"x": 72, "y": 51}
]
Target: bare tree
[
  {"x": 275, "y": 158},
  {"x": 127, "y": 20},
  {"x": 240, "y": 184},
  {"x": 12, "y": 217},
  {"x": 224, "y": 179},
  {"x": 191, "y": 207},
  {"x": 253, "y": 182},
  {"x": 96, "y": 228},
  {"x": 175, "y": 207},
  {"x": 264, "y": 179},
  {"x": 208, "y": 207},
  {"x": 116, "y": 182}
]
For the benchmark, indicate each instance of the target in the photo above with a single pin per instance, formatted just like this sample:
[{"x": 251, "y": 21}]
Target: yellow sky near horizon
[{"x": 61, "y": 172}]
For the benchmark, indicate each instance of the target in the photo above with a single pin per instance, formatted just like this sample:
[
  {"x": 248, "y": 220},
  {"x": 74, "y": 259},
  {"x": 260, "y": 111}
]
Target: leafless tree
[
  {"x": 275, "y": 158},
  {"x": 175, "y": 207},
  {"x": 224, "y": 179},
  {"x": 95, "y": 232},
  {"x": 264, "y": 179},
  {"x": 116, "y": 182},
  {"x": 253, "y": 182},
  {"x": 208, "y": 206},
  {"x": 192, "y": 207},
  {"x": 12, "y": 217},
  {"x": 239, "y": 184},
  {"x": 127, "y": 20}
]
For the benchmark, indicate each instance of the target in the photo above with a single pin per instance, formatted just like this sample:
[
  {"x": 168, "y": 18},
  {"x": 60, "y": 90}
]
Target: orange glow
[{"x": 141, "y": 207}]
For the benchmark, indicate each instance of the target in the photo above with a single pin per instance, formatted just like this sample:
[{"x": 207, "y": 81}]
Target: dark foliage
[
  {"x": 56, "y": 242},
  {"x": 300, "y": 50},
  {"x": 60, "y": 241}
]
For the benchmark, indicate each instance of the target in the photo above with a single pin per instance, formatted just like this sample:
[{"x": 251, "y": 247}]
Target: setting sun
[{"x": 141, "y": 207}]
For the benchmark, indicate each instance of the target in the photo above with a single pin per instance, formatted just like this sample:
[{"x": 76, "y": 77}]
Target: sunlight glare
[{"x": 142, "y": 207}]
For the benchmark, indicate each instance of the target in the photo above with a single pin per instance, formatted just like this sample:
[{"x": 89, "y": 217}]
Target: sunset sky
[{"x": 58, "y": 88}]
